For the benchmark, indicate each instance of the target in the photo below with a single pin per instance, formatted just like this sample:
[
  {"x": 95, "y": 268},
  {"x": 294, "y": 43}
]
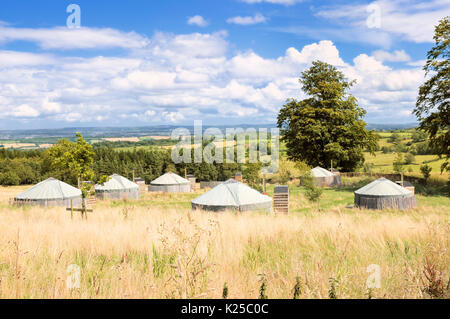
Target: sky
[{"x": 138, "y": 63}]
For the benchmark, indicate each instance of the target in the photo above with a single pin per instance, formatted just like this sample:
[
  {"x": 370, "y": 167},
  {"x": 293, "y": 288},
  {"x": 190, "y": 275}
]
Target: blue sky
[{"x": 153, "y": 62}]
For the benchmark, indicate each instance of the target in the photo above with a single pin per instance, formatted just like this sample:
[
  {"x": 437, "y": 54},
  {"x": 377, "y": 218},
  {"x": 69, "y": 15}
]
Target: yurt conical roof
[
  {"x": 234, "y": 195},
  {"x": 49, "y": 189},
  {"x": 170, "y": 179},
  {"x": 116, "y": 183},
  {"x": 321, "y": 172},
  {"x": 383, "y": 187}
]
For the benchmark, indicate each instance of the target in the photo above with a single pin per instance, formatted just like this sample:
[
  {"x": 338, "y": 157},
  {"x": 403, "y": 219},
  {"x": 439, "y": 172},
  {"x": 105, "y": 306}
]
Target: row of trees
[{"x": 69, "y": 161}]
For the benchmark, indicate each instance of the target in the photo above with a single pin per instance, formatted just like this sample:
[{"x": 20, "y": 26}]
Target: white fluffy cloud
[
  {"x": 197, "y": 20},
  {"x": 248, "y": 20},
  {"x": 64, "y": 38},
  {"x": 411, "y": 20},
  {"x": 179, "y": 78},
  {"x": 396, "y": 56}
]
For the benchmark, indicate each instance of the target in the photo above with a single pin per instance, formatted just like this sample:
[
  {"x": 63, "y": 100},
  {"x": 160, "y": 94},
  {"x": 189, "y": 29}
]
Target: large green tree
[
  {"x": 432, "y": 106},
  {"x": 78, "y": 159},
  {"x": 327, "y": 126}
]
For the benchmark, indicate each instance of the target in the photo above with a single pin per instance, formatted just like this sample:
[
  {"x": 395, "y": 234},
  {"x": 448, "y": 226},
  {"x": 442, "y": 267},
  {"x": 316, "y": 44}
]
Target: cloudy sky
[{"x": 142, "y": 62}]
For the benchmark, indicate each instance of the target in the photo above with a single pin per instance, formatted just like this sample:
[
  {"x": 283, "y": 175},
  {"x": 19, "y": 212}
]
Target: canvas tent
[
  {"x": 382, "y": 194},
  {"x": 170, "y": 183},
  {"x": 232, "y": 195},
  {"x": 50, "y": 192},
  {"x": 117, "y": 187},
  {"x": 323, "y": 177}
]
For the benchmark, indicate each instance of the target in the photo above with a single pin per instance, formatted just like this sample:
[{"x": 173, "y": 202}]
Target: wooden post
[
  {"x": 401, "y": 173},
  {"x": 133, "y": 174},
  {"x": 264, "y": 184},
  {"x": 71, "y": 209}
]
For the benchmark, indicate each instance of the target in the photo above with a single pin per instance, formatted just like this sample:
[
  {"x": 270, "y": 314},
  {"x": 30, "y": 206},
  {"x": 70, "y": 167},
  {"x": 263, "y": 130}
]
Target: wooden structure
[
  {"x": 323, "y": 178},
  {"x": 170, "y": 183},
  {"x": 91, "y": 201},
  {"x": 238, "y": 177},
  {"x": 407, "y": 185},
  {"x": 232, "y": 195},
  {"x": 384, "y": 194},
  {"x": 193, "y": 181},
  {"x": 281, "y": 199},
  {"x": 83, "y": 210},
  {"x": 49, "y": 193},
  {"x": 142, "y": 186}
]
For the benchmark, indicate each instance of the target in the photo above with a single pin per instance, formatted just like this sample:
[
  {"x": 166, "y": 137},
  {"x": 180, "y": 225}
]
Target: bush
[
  {"x": 387, "y": 149},
  {"x": 9, "y": 179},
  {"x": 409, "y": 158},
  {"x": 426, "y": 172},
  {"x": 313, "y": 192}
]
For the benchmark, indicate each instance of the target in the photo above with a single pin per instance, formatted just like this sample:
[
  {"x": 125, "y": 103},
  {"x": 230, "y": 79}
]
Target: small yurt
[
  {"x": 323, "y": 177},
  {"x": 232, "y": 195},
  {"x": 117, "y": 187},
  {"x": 170, "y": 183},
  {"x": 383, "y": 194},
  {"x": 50, "y": 192}
]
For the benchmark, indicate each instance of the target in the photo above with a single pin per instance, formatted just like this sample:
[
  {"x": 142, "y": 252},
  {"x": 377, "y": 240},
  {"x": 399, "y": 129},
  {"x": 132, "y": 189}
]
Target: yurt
[
  {"x": 382, "y": 194},
  {"x": 323, "y": 177},
  {"x": 232, "y": 195},
  {"x": 50, "y": 192},
  {"x": 117, "y": 187},
  {"x": 170, "y": 183}
]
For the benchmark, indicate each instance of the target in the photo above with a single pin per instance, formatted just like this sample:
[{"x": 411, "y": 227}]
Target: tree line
[{"x": 24, "y": 167}]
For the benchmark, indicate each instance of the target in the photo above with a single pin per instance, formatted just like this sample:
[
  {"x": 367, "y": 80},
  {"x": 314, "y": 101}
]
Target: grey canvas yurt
[
  {"x": 232, "y": 195},
  {"x": 170, "y": 183},
  {"x": 117, "y": 187},
  {"x": 50, "y": 192},
  {"x": 323, "y": 177},
  {"x": 383, "y": 194}
]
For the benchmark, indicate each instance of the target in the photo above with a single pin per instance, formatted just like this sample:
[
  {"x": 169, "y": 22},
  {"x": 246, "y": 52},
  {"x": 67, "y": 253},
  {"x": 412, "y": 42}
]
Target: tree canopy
[
  {"x": 76, "y": 159},
  {"x": 432, "y": 106},
  {"x": 328, "y": 125}
]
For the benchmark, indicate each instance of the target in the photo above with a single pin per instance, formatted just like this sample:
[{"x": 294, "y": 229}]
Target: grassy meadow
[{"x": 157, "y": 247}]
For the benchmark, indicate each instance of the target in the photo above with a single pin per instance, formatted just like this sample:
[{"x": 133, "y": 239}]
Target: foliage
[
  {"x": 433, "y": 103},
  {"x": 395, "y": 138},
  {"x": 262, "y": 289},
  {"x": 398, "y": 163},
  {"x": 419, "y": 136},
  {"x": 332, "y": 291},
  {"x": 425, "y": 170},
  {"x": 434, "y": 281},
  {"x": 313, "y": 192},
  {"x": 9, "y": 179},
  {"x": 288, "y": 170},
  {"x": 328, "y": 125},
  {"x": 297, "y": 288},
  {"x": 409, "y": 158},
  {"x": 225, "y": 291},
  {"x": 78, "y": 159}
]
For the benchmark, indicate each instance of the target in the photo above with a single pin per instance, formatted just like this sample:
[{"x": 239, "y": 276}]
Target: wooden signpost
[{"x": 82, "y": 210}]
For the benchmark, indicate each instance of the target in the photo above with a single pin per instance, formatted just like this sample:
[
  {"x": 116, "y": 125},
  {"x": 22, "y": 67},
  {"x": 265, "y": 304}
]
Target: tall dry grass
[{"x": 139, "y": 251}]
